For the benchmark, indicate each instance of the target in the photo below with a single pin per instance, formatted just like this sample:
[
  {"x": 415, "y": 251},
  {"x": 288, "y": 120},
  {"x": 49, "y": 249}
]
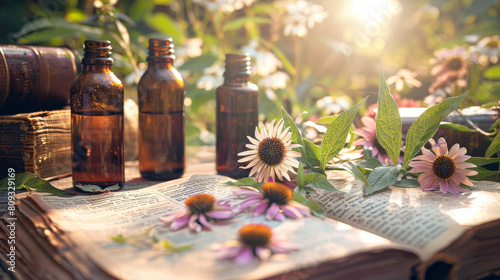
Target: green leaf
[
  {"x": 316, "y": 209},
  {"x": 479, "y": 161},
  {"x": 163, "y": 23},
  {"x": 141, "y": 9},
  {"x": 30, "y": 181},
  {"x": 240, "y": 22},
  {"x": 199, "y": 63},
  {"x": 407, "y": 183},
  {"x": 492, "y": 73},
  {"x": 166, "y": 244},
  {"x": 312, "y": 153},
  {"x": 353, "y": 170},
  {"x": 458, "y": 127},
  {"x": 370, "y": 163},
  {"x": 245, "y": 182},
  {"x": 382, "y": 177},
  {"x": 494, "y": 146},
  {"x": 296, "y": 137},
  {"x": 326, "y": 120},
  {"x": 119, "y": 239},
  {"x": 336, "y": 134},
  {"x": 46, "y": 35},
  {"x": 163, "y": 2},
  {"x": 320, "y": 181},
  {"x": 388, "y": 121},
  {"x": 427, "y": 124}
]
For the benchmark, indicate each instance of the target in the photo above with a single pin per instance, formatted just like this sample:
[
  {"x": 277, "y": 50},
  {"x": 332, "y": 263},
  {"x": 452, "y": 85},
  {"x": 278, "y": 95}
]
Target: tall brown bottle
[
  {"x": 161, "y": 115},
  {"x": 237, "y": 115},
  {"x": 97, "y": 122}
]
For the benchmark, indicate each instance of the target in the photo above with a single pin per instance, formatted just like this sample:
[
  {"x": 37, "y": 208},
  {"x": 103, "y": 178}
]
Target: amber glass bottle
[
  {"x": 97, "y": 122},
  {"x": 161, "y": 115},
  {"x": 237, "y": 115}
]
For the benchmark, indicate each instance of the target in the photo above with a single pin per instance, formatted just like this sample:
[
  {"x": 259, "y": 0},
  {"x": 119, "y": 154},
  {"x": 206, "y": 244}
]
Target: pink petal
[
  {"x": 459, "y": 159},
  {"x": 464, "y": 165},
  {"x": 193, "y": 225},
  {"x": 220, "y": 214},
  {"x": 444, "y": 186},
  {"x": 173, "y": 217},
  {"x": 203, "y": 220},
  {"x": 229, "y": 252},
  {"x": 259, "y": 209},
  {"x": 282, "y": 247},
  {"x": 262, "y": 252},
  {"x": 290, "y": 212},
  {"x": 272, "y": 211},
  {"x": 244, "y": 257},
  {"x": 423, "y": 158},
  {"x": 430, "y": 155},
  {"x": 279, "y": 217},
  {"x": 246, "y": 192},
  {"x": 466, "y": 172},
  {"x": 249, "y": 202},
  {"x": 456, "y": 183},
  {"x": 180, "y": 222},
  {"x": 454, "y": 149}
]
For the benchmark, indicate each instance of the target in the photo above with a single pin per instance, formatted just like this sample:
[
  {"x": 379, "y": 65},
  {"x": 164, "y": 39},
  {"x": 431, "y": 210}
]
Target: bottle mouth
[
  {"x": 161, "y": 50},
  {"x": 237, "y": 65},
  {"x": 97, "y": 52}
]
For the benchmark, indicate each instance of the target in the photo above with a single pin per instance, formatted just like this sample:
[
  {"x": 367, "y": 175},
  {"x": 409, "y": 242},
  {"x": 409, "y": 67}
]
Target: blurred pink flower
[
  {"x": 369, "y": 139},
  {"x": 202, "y": 209},
  {"x": 254, "y": 241},
  {"x": 275, "y": 200},
  {"x": 442, "y": 168},
  {"x": 451, "y": 65}
]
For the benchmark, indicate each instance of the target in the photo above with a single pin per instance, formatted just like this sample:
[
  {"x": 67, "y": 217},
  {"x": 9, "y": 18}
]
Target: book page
[
  {"x": 92, "y": 220},
  {"x": 424, "y": 220}
]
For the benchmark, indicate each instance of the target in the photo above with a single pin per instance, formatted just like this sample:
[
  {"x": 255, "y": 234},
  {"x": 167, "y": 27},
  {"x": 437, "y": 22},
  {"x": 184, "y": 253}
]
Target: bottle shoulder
[
  {"x": 238, "y": 87},
  {"x": 161, "y": 76},
  {"x": 104, "y": 81}
]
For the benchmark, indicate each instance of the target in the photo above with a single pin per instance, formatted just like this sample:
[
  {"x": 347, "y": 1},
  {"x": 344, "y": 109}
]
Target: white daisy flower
[
  {"x": 300, "y": 16},
  {"x": 271, "y": 154},
  {"x": 489, "y": 47}
]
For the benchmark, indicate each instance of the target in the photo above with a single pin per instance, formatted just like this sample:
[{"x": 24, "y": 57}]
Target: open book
[{"x": 396, "y": 234}]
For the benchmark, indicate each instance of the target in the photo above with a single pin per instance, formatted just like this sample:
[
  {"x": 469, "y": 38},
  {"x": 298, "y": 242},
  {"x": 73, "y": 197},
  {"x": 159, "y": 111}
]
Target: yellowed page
[{"x": 424, "y": 220}]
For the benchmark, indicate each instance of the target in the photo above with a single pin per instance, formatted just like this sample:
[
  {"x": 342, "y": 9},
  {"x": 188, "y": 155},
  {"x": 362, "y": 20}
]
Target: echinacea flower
[
  {"x": 443, "y": 169},
  {"x": 271, "y": 153},
  {"x": 369, "y": 139},
  {"x": 275, "y": 200},
  {"x": 254, "y": 241},
  {"x": 202, "y": 209},
  {"x": 451, "y": 66}
]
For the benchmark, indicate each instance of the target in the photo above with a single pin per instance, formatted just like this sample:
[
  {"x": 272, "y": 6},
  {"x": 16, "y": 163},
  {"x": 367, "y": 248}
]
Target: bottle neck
[
  {"x": 237, "y": 69},
  {"x": 154, "y": 65},
  {"x": 234, "y": 80},
  {"x": 96, "y": 68}
]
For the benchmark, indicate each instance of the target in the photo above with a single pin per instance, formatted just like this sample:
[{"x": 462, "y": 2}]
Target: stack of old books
[
  {"x": 401, "y": 233},
  {"x": 38, "y": 142}
]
